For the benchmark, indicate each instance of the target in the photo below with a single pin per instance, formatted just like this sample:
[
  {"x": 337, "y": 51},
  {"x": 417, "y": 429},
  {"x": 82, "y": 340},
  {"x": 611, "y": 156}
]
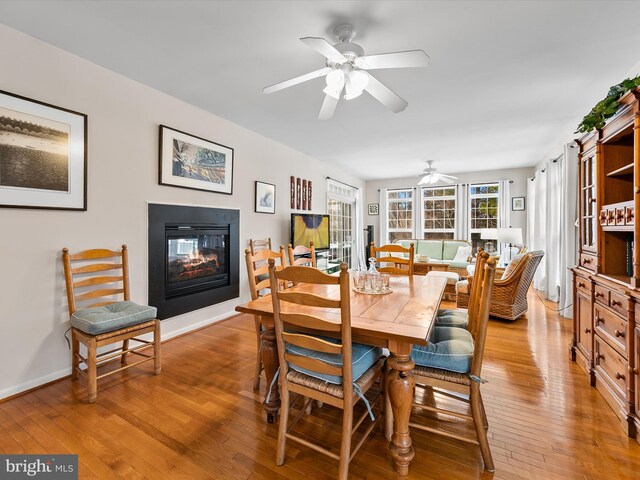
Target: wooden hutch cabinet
[{"x": 606, "y": 282}]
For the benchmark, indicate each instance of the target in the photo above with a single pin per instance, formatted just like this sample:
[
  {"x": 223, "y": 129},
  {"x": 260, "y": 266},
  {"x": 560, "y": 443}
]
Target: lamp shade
[
  {"x": 510, "y": 235},
  {"x": 489, "y": 234}
]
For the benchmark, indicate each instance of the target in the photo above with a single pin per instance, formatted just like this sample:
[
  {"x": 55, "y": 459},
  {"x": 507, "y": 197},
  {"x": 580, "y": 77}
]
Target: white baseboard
[{"x": 50, "y": 377}]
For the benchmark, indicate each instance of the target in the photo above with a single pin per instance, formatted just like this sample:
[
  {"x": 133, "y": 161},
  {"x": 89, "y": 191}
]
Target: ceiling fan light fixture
[{"x": 359, "y": 79}]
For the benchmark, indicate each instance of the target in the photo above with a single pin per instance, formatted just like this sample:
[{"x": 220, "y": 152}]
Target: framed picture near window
[
  {"x": 265, "y": 197},
  {"x": 43, "y": 155},
  {"x": 374, "y": 209},
  {"x": 517, "y": 204},
  {"x": 188, "y": 161}
]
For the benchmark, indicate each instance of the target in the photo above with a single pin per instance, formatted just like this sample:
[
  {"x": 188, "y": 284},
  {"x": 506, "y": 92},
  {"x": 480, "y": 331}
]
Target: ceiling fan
[
  {"x": 346, "y": 70},
  {"x": 430, "y": 176}
]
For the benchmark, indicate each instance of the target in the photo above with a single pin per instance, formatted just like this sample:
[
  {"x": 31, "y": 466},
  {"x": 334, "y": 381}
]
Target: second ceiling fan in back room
[{"x": 346, "y": 71}]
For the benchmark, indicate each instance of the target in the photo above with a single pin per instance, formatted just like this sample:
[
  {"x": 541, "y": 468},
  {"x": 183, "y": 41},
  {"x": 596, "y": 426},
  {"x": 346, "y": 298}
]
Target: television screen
[{"x": 310, "y": 227}]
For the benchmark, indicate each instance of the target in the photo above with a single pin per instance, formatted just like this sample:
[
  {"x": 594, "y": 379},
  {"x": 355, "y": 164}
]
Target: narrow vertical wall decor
[
  {"x": 292, "y": 187},
  {"x": 309, "y": 194},
  {"x": 298, "y": 192},
  {"x": 304, "y": 194}
]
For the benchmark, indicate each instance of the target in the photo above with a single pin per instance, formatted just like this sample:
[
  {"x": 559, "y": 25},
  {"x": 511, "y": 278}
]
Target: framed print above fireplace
[
  {"x": 43, "y": 155},
  {"x": 192, "y": 162}
]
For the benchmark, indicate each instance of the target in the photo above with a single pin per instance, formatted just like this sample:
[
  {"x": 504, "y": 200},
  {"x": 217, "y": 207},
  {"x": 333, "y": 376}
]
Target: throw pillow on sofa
[{"x": 463, "y": 254}]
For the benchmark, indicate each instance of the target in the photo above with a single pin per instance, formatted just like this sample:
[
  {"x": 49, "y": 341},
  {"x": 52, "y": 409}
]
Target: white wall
[
  {"x": 518, "y": 189},
  {"x": 123, "y": 170}
]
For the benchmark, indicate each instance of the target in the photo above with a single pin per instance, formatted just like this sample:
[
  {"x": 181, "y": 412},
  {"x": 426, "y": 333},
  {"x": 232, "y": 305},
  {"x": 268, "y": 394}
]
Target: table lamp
[
  {"x": 488, "y": 234},
  {"x": 512, "y": 236}
]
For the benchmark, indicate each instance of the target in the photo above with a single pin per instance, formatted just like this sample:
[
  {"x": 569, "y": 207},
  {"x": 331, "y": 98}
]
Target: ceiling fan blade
[
  {"x": 323, "y": 47},
  {"x": 448, "y": 176},
  {"x": 294, "y": 81},
  {"x": 409, "y": 59},
  {"x": 328, "y": 107},
  {"x": 448, "y": 181},
  {"x": 385, "y": 95}
]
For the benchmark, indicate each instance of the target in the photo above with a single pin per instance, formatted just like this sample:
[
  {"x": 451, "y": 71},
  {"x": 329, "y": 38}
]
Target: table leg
[
  {"x": 400, "y": 388},
  {"x": 270, "y": 364}
]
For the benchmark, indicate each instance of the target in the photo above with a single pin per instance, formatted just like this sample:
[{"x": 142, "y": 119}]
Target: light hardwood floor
[{"x": 201, "y": 419}]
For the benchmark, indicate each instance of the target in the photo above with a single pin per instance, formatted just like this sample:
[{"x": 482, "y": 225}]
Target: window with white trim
[
  {"x": 484, "y": 211},
  {"x": 399, "y": 214},
  {"x": 439, "y": 212}
]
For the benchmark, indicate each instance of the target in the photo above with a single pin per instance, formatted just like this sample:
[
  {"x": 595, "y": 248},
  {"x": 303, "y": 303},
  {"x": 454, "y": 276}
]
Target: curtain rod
[{"x": 343, "y": 183}]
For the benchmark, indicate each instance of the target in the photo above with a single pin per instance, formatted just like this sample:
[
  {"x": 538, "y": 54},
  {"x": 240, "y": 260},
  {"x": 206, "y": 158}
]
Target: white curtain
[
  {"x": 382, "y": 210},
  {"x": 552, "y": 199},
  {"x": 568, "y": 232},
  {"x": 358, "y": 260},
  {"x": 462, "y": 212},
  {"x": 504, "y": 204},
  {"x": 539, "y": 227}
]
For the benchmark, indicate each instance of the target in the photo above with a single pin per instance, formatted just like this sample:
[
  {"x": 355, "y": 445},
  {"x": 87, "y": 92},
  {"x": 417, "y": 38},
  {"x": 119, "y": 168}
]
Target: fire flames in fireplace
[{"x": 195, "y": 264}]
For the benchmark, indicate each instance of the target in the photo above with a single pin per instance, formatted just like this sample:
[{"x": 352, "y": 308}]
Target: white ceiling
[{"x": 508, "y": 81}]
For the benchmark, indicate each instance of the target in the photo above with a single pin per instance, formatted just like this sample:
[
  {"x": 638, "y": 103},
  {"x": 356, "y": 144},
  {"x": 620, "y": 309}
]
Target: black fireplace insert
[{"x": 193, "y": 257}]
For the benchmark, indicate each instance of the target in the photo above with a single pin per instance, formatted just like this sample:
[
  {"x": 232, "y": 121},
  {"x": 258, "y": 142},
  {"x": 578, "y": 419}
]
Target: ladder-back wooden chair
[
  {"x": 317, "y": 367},
  {"x": 309, "y": 258},
  {"x": 458, "y": 317},
  {"x": 101, "y": 313},
  {"x": 451, "y": 366},
  {"x": 259, "y": 244},
  {"x": 402, "y": 265},
  {"x": 258, "y": 275}
]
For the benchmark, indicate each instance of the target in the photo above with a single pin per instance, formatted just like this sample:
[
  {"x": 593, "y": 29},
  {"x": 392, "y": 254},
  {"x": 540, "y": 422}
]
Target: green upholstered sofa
[{"x": 440, "y": 251}]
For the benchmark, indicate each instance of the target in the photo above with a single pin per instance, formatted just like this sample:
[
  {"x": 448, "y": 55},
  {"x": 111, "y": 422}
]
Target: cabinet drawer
[
  {"x": 588, "y": 261},
  {"x": 612, "y": 328},
  {"x": 619, "y": 303},
  {"x": 613, "y": 365},
  {"x": 583, "y": 284},
  {"x": 601, "y": 295}
]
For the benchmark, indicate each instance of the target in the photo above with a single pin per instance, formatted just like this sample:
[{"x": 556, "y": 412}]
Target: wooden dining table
[{"x": 396, "y": 321}]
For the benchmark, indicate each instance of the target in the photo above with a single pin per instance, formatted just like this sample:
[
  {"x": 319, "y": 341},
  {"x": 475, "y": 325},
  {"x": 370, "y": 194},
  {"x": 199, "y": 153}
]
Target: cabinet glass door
[{"x": 589, "y": 215}]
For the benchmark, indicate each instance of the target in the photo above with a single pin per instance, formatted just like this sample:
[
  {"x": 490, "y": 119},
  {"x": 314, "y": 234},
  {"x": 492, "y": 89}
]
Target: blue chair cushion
[
  {"x": 362, "y": 356},
  {"x": 449, "y": 349},
  {"x": 97, "y": 320},
  {"x": 449, "y": 317}
]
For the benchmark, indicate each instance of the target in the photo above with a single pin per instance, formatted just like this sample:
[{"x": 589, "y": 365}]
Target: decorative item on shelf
[
  {"x": 607, "y": 107},
  {"x": 629, "y": 215},
  {"x": 518, "y": 204},
  {"x": 304, "y": 194},
  {"x": 292, "y": 189},
  {"x": 512, "y": 236},
  {"x": 298, "y": 193},
  {"x": 43, "y": 149},
  {"x": 309, "y": 195},
  {"x": 265, "y": 197},
  {"x": 603, "y": 216},
  {"x": 374, "y": 209},
  {"x": 188, "y": 161}
]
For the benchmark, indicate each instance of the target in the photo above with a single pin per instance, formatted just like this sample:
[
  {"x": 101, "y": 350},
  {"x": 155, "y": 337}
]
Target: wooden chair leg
[
  {"x": 125, "y": 346},
  {"x": 258, "y": 371},
  {"x": 92, "y": 373},
  {"x": 388, "y": 412},
  {"x": 282, "y": 427},
  {"x": 485, "y": 422},
  {"x": 157, "y": 363},
  {"x": 481, "y": 432},
  {"x": 75, "y": 351},
  {"x": 345, "y": 445}
]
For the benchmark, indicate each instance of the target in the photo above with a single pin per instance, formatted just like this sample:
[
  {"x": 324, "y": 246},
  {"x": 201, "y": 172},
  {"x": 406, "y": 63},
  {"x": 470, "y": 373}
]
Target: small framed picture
[
  {"x": 517, "y": 204},
  {"x": 265, "y": 197},
  {"x": 43, "y": 155},
  {"x": 192, "y": 162},
  {"x": 374, "y": 209}
]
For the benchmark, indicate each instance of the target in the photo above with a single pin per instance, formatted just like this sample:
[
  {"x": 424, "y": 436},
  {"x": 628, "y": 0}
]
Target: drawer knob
[
  {"x": 618, "y": 333},
  {"x": 592, "y": 200},
  {"x": 600, "y": 356},
  {"x": 587, "y": 330},
  {"x": 586, "y": 261},
  {"x": 616, "y": 303},
  {"x": 619, "y": 376},
  {"x": 581, "y": 285},
  {"x": 599, "y": 294},
  {"x": 599, "y": 320}
]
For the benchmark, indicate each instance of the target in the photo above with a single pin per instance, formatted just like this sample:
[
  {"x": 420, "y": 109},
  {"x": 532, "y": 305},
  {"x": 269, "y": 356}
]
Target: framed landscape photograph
[
  {"x": 517, "y": 204},
  {"x": 265, "y": 197},
  {"x": 43, "y": 155},
  {"x": 374, "y": 209},
  {"x": 192, "y": 162}
]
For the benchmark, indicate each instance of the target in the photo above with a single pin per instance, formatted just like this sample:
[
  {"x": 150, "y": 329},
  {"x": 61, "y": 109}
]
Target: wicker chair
[{"x": 509, "y": 295}]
